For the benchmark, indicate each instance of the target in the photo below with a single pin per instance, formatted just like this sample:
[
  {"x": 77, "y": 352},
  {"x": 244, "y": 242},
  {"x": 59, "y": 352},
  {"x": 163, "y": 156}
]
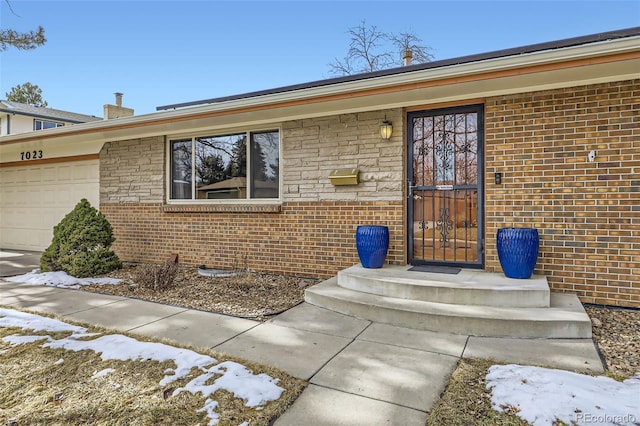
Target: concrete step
[
  {"x": 565, "y": 318},
  {"x": 468, "y": 287}
]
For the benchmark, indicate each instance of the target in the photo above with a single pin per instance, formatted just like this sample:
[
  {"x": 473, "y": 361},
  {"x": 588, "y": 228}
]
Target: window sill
[{"x": 222, "y": 208}]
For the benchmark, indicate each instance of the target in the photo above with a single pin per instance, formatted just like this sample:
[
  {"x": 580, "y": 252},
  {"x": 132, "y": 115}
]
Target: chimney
[
  {"x": 117, "y": 110},
  {"x": 408, "y": 56}
]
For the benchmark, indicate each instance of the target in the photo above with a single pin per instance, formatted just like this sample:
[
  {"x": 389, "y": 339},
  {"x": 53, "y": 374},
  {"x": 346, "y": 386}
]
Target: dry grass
[
  {"x": 467, "y": 402},
  {"x": 36, "y": 390}
]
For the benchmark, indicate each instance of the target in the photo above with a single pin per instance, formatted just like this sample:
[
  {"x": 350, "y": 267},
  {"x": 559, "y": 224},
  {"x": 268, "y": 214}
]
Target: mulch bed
[
  {"x": 617, "y": 334},
  {"x": 247, "y": 295}
]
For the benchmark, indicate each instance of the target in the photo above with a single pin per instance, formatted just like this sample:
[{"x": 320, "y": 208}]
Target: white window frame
[
  {"x": 213, "y": 133},
  {"x": 42, "y": 120}
]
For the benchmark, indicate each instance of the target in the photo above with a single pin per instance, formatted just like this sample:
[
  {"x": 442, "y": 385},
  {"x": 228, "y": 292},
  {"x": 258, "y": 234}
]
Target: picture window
[{"x": 225, "y": 167}]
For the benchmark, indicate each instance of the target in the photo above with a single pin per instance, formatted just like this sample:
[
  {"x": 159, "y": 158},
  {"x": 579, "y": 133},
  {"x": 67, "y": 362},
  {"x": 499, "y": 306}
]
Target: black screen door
[{"x": 445, "y": 208}]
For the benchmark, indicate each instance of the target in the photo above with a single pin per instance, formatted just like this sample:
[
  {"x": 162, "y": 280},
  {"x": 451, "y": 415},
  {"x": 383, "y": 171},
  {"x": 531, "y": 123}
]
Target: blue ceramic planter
[
  {"x": 372, "y": 242},
  {"x": 518, "y": 251}
]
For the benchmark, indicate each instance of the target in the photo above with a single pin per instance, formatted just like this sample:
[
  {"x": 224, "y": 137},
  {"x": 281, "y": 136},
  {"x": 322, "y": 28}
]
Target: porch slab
[
  {"x": 468, "y": 287},
  {"x": 407, "y": 377},
  {"x": 423, "y": 340},
  {"x": 578, "y": 355},
  {"x": 329, "y": 407},
  {"x": 197, "y": 328},
  {"x": 565, "y": 318},
  {"x": 312, "y": 318},
  {"x": 300, "y": 353}
]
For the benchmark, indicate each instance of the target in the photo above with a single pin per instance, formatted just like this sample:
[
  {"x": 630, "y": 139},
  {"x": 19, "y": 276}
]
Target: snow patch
[
  {"x": 12, "y": 318},
  {"x": 541, "y": 396},
  {"x": 102, "y": 373},
  {"x": 58, "y": 279}
]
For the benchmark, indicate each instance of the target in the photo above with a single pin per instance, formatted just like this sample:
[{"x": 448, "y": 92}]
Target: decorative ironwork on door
[{"x": 445, "y": 186}]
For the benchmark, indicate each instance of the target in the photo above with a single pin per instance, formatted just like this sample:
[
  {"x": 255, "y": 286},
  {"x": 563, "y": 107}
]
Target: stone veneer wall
[
  {"x": 587, "y": 213},
  {"x": 312, "y": 233}
]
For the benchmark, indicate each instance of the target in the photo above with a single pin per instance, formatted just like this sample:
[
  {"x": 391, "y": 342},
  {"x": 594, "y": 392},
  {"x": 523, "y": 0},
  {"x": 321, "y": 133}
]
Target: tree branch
[{"x": 22, "y": 41}]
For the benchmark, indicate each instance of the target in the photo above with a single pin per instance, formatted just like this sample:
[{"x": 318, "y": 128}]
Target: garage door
[{"x": 35, "y": 197}]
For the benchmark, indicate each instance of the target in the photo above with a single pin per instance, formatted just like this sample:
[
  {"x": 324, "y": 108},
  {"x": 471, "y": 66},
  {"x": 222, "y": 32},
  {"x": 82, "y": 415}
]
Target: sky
[{"x": 160, "y": 52}]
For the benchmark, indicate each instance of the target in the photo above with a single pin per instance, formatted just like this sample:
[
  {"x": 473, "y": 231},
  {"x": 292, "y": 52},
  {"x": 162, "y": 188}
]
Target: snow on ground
[
  {"x": 119, "y": 347},
  {"x": 58, "y": 279},
  {"x": 13, "y": 318},
  {"x": 102, "y": 373},
  {"x": 8, "y": 254},
  {"x": 542, "y": 395},
  {"x": 254, "y": 389}
]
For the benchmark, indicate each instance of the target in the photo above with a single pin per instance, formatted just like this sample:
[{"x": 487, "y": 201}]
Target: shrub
[
  {"x": 156, "y": 277},
  {"x": 81, "y": 244}
]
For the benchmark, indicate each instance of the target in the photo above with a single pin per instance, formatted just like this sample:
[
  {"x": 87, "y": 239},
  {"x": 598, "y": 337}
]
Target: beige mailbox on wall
[{"x": 340, "y": 177}]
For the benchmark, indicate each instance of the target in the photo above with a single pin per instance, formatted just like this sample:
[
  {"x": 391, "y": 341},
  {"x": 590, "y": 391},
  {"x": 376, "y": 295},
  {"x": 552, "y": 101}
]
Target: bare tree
[
  {"x": 409, "y": 42},
  {"x": 21, "y": 41},
  {"x": 364, "y": 54},
  {"x": 371, "y": 49}
]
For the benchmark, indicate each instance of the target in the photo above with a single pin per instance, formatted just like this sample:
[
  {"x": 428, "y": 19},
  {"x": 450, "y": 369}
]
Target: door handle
[
  {"x": 411, "y": 187},
  {"x": 412, "y": 195}
]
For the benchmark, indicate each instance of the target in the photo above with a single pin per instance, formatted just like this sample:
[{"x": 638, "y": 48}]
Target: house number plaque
[{"x": 36, "y": 154}]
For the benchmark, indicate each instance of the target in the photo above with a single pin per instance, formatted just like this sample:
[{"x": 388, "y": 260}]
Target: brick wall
[
  {"x": 587, "y": 213},
  {"x": 304, "y": 238}
]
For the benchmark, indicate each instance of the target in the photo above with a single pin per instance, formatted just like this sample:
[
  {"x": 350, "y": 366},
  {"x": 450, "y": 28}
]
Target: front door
[{"x": 445, "y": 209}]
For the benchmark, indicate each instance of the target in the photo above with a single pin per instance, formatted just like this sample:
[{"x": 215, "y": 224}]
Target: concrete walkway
[
  {"x": 17, "y": 262},
  {"x": 360, "y": 372}
]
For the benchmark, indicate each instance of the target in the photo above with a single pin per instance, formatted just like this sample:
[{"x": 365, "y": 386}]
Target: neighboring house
[
  {"x": 42, "y": 182},
  {"x": 16, "y": 117},
  {"x": 544, "y": 136}
]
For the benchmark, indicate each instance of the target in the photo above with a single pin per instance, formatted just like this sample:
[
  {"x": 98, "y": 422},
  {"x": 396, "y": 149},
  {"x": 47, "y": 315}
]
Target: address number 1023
[{"x": 31, "y": 155}]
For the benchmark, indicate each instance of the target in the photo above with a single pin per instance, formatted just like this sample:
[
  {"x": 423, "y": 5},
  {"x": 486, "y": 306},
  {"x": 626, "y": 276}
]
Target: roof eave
[{"x": 46, "y": 117}]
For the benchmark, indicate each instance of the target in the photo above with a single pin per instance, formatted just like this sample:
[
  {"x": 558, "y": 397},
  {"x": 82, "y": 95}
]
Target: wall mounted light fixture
[{"x": 386, "y": 129}]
